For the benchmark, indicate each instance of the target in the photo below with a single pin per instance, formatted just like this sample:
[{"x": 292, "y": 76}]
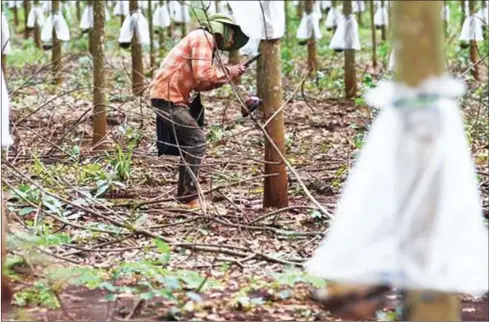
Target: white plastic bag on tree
[
  {"x": 136, "y": 22},
  {"x": 6, "y": 47},
  {"x": 326, "y": 4},
  {"x": 121, "y": 8},
  {"x": 59, "y": 23},
  {"x": 445, "y": 13},
  {"x": 250, "y": 48},
  {"x": 332, "y": 18},
  {"x": 392, "y": 61},
  {"x": 223, "y": 7},
  {"x": 143, "y": 4},
  {"x": 35, "y": 17},
  {"x": 15, "y": 4},
  {"x": 316, "y": 9},
  {"x": 410, "y": 213},
  {"x": 6, "y": 137},
  {"x": 161, "y": 16},
  {"x": 260, "y": 19},
  {"x": 346, "y": 35},
  {"x": 358, "y": 6},
  {"x": 179, "y": 12},
  {"x": 86, "y": 22},
  {"x": 46, "y": 6},
  {"x": 308, "y": 25},
  {"x": 472, "y": 29},
  {"x": 381, "y": 17},
  {"x": 483, "y": 15}
]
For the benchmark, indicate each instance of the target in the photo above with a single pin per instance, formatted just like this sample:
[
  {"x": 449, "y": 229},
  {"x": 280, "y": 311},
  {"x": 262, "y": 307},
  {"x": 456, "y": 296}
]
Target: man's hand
[{"x": 237, "y": 70}]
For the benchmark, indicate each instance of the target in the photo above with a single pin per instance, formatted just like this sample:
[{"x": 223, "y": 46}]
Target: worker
[{"x": 190, "y": 68}]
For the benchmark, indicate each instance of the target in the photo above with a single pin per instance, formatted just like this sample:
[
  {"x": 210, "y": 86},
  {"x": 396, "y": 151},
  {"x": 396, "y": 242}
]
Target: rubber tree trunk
[
  {"x": 56, "y": 51},
  {"x": 311, "y": 44},
  {"x": 152, "y": 57},
  {"x": 374, "y": 36},
  {"x": 359, "y": 14},
  {"x": 420, "y": 56},
  {"x": 161, "y": 35},
  {"x": 234, "y": 59},
  {"x": 383, "y": 31},
  {"x": 16, "y": 16},
  {"x": 37, "y": 32},
  {"x": 78, "y": 11},
  {"x": 287, "y": 22},
  {"x": 473, "y": 47},
  {"x": 269, "y": 84},
  {"x": 170, "y": 27},
  {"x": 90, "y": 31},
  {"x": 462, "y": 16},
  {"x": 99, "y": 101},
  {"x": 300, "y": 9},
  {"x": 137, "y": 58},
  {"x": 27, "y": 8},
  {"x": 350, "y": 67},
  {"x": 6, "y": 287}
]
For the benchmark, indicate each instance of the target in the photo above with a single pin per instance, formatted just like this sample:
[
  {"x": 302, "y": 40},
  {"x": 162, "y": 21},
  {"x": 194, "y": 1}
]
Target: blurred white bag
[
  {"x": 134, "y": 22},
  {"x": 35, "y": 17},
  {"x": 121, "y": 8},
  {"x": 6, "y": 47},
  {"x": 381, "y": 17},
  {"x": 346, "y": 35},
  {"x": 410, "y": 213},
  {"x": 332, "y": 18},
  {"x": 15, "y": 4},
  {"x": 250, "y": 48},
  {"x": 179, "y": 12},
  {"x": 308, "y": 25},
  {"x": 325, "y": 4},
  {"x": 161, "y": 16},
  {"x": 260, "y": 19},
  {"x": 358, "y": 6},
  {"x": 392, "y": 61},
  {"x": 6, "y": 137},
  {"x": 483, "y": 14},
  {"x": 59, "y": 23},
  {"x": 445, "y": 13},
  {"x": 87, "y": 19},
  {"x": 472, "y": 29},
  {"x": 143, "y": 4}
]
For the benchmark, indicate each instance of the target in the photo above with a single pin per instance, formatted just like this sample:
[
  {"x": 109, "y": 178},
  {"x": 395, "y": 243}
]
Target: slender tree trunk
[
  {"x": 422, "y": 47},
  {"x": 474, "y": 57},
  {"x": 152, "y": 56},
  {"x": 37, "y": 31},
  {"x": 300, "y": 9},
  {"x": 383, "y": 31},
  {"x": 350, "y": 67},
  {"x": 137, "y": 58},
  {"x": 287, "y": 22},
  {"x": 6, "y": 287},
  {"x": 90, "y": 31},
  {"x": 311, "y": 44},
  {"x": 374, "y": 37},
  {"x": 359, "y": 14},
  {"x": 234, "y": 59},
  {"x": 16, "y": 16},
  {"x": 56, "y": 51},
  {"x": 162, "y": 35},
  {"x": 78, "y": 11},
  {"x": 462, "y": 16},
  {"x": 269, "y": 83},
  {"x": 99, "y": 102},
  {"x": 27, "y": 8}
]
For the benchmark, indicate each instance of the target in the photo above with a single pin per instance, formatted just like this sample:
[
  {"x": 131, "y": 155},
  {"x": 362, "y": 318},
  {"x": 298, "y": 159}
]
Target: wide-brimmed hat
[{"x": 215, "y": 24}]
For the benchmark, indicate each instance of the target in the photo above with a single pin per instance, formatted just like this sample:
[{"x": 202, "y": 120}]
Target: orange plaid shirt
[{"x": 187, "y": 67}]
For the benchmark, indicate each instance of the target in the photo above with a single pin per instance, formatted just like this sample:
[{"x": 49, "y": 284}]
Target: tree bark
[
  {"x": 152, "y": 57},
  {"x": 474, "y": 56},
  {"x": 99, "y": 102},
  {"x": 462, "y": 16},
  {"x": 78, "y": 11},
  {"x": 37, "y": 31},
  {"x": 16, "y": 16},
  {"x": 311, "y": 44},
  {"x": 374, "y": 37},
  {"x": 270, "y": 89},
  {"x": 27, "y": 8},
  {"x": 383, "y": 31},
  {"x": 422, "y": 48},
  {"x": 162, "y": 35},
  {"x": 56, "y": 51},
  {"x": 137, "y": 58},
  {"x": 350, "y": 67},
  {"x": 234, "y": 59}
]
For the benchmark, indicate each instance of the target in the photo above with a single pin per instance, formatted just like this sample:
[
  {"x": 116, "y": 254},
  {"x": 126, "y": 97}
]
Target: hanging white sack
[
  {"x": 136, "y": 22},
  {"x": 250, "y": 48},
  {"x": 59, "y": 23},
  {"x": 223, "y": 7},
  {"x": 381, "y": 17},
  {"x": 332, "y": 18},
  {"x": 379, "y": 234},
  {"x": 15, "y": 4},
  {"x": 161, "y": 16},
  {"x": 260, "y": 19},
  {"x": 392, "y": 61},
  {"x": 483, "y": 15},
  {"x": 316, "y": 9},
  {"x": 6, "y": 137},
  {"x": 121, "y": 8},
  {"x": 179, "y": 12},
  {"x": 86, "y": 22},
  {"x": 6, "y": 47},
  {"x": 46, "y": 6},
  {"x": 472, "y": 29},
  {"x": 309, "y": 25},
  {"x": 35, "y": 17},
  {"x": 358, "y": 6},
  {"x": 325, "y": 4},
  {"x": 143, "y": 4},
  {"x": 295, "y": 2},
  {"x": 346, "y": 35}
]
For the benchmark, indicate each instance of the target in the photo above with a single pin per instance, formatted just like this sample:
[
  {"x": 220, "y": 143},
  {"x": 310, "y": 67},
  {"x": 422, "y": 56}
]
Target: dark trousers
[{"x": 179, "y": 134}]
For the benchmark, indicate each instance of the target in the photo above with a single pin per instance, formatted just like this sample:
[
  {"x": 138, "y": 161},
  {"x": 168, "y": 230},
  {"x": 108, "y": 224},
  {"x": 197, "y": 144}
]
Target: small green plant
[{"x": 121, "y": 163}]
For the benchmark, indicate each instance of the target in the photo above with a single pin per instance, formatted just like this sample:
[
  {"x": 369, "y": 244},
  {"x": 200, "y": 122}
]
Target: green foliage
[{"x": 39, "y": 294}]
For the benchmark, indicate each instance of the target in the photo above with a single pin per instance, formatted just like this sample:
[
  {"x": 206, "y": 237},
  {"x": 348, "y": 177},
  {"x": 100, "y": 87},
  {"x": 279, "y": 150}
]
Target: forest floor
[{"x": 97, "y": 235}]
